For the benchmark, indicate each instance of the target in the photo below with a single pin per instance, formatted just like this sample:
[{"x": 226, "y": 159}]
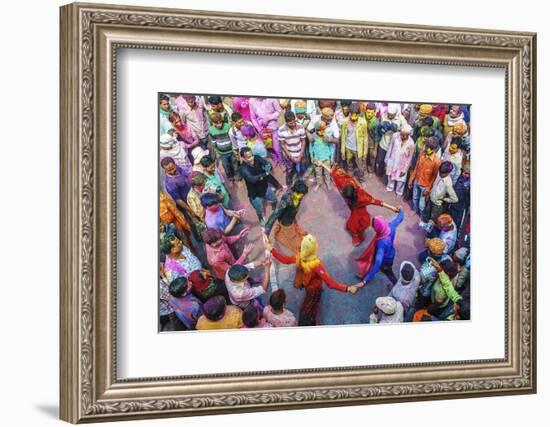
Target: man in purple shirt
[{"x": 177, "y": 184}]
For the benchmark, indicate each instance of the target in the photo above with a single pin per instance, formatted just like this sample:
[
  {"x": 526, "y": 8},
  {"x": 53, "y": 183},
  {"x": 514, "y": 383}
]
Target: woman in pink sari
[{"x": 241, "y": 105}]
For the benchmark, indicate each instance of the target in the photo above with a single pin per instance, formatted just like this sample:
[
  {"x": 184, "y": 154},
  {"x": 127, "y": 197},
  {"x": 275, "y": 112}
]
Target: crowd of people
[{"x": 212, "y": 145}]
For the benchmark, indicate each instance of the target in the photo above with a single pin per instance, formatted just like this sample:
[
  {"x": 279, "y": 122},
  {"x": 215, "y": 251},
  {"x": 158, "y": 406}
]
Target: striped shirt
[{"x": 292, "y": 139}]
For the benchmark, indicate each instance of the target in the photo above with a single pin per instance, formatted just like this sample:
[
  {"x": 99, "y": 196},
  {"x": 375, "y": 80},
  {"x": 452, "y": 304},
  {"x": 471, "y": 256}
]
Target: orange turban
[{"x": 436, "y": 246}]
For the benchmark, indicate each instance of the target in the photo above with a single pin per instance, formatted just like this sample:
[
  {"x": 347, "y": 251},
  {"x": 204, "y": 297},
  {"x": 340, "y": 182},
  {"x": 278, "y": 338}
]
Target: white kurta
[{"x": 399, "y": 158}]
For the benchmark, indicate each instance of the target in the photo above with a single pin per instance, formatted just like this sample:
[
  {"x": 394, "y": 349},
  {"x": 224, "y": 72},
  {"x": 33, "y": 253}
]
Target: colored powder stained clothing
[
  {"x": 178, "y": 185},
  {"x": 387, "y": 127},
  {"x": 181, "y": 266},
  {"x": 242, "y": 294},
  {"x": 359, "y": 219},
  {"x": 164, "y": 122},
  {"x": 264, "y": 113},
  {"x": 444, "y": 294},
  {"x": 373, "y": 132},
  {"x": 293, "y": 140},
  {"x": 214, "y": 184},
  {"x": 399, "y": 157},
  {"x": 285, "y": 212},
  {"x": 257, "y": 177},
  {"x": 405, "y": 292},
  {"x": 221, "y": 258},
  {"x": 312, "y": 281},
  {"x": 217, "y": 219},
  {"x": 284, "y": 319},
  {"x": 220, "y": 138},
  {"x": 194, "y": 202},
  {"x": 443, "y": 191},
  {"x": 351, "y": 138},
  {"x": 426, "y": 170},
  {"x": 232, "y": 319},
  {"x": 385, "y": 250},
  {"x": 360, "y": 137},
  {"x": 456, "y": 160},
  {"x": 320, "y": 149},
  {"x": 241, "y": 105},
  {"x": 195, "y": 117},
  {"x": 238, "y": 140},
  {"x": 188, "y": 309}
]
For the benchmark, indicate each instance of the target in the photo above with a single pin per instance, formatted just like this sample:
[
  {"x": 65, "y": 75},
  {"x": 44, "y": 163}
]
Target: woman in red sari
[
  {"x": 310, "y": 275},
  {"x": 357, "y": 200}
]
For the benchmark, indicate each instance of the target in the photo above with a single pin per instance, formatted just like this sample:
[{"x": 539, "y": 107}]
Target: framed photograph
[{"x": 269, "y": 212}]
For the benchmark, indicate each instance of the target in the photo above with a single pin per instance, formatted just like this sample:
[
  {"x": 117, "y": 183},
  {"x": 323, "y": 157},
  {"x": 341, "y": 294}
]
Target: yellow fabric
[
  {"x": 362, "y": 137},
  {"x": 426, "y": 109},
  {"x": 308, "y": 259},
  {"x": 436, "y": 246},
  {"x": 233, "y": 319}
]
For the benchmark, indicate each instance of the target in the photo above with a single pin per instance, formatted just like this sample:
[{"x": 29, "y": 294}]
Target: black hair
[
  {"x": 349, "y": 193},
  {"x": 206, "y": 161},
  {"x": 457, "y": 140},
  {"x": 299, "y": 187},
  {"x": 449, "y": 267},
  {"x": 236, "y": 116},
  {"x": 345, "y": 102},
  {"x": 238, "y": 273},
  {"x": 166, "y": 243},
  {"x": 250, "y": 316},
  {"x": 306, "y": 321},
  {"x": 166, "y": 161},
  {"x": 277, "y": 299},
  {"x": 446, "y": 167},
  {"x": 407, "y": 272},
  {"x": 428, "y": 121},
  {"x": 244, "y": 150},
  {"x": 290, "y": 116},
  {"x": 210, "y": 199},
  {"x": 178, "y": 287},
  {"x": 214, "y": 308},
  {"x": 164, "y": 97},
  {"x": 214, "y": 99}
]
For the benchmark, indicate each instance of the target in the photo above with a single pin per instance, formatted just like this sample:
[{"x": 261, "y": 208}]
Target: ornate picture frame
[{"x": 90, "y": 37}]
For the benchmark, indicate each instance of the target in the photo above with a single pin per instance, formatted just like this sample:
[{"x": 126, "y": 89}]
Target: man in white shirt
[{"x": 442, "y": 192}]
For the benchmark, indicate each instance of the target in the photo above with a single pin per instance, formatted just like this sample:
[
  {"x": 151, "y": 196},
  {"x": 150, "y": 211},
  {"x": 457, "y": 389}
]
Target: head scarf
[
  {"x": 436, "y": 246},
  {"x": 190, "y": 97},
  {"x": 425, "y": 109},
  {"x": 308, "y": 258},
  {"x": 381, "y": 226},
  {"x": 407, "y": 272}
]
